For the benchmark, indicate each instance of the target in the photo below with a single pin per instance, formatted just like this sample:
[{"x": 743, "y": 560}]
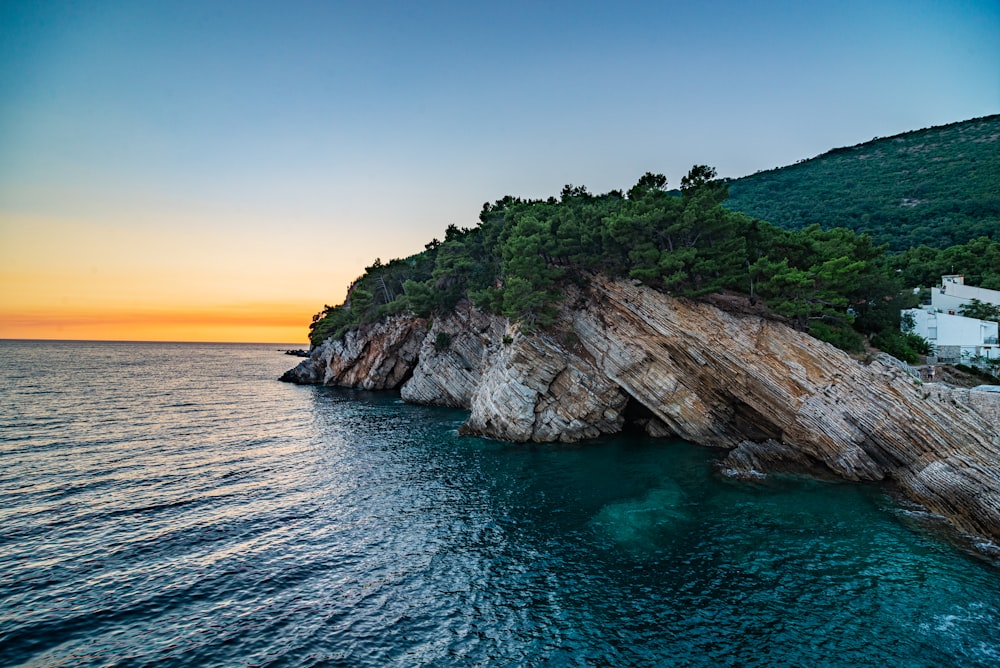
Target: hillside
[
  {"x": 938, "y": 187},
  {"x": 827, "y": 280},
  {"x": 520, "y": 259}
]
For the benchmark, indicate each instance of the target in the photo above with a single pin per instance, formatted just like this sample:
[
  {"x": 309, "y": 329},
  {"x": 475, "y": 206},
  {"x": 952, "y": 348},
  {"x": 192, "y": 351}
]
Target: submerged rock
[{"x": 640, "y": 525}]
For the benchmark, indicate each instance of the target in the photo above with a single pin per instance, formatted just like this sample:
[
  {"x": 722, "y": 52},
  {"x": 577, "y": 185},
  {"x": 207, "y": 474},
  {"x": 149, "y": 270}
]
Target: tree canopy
[
  {"x": 937, "y": 187},
  {"x": 834, "y": 283}
]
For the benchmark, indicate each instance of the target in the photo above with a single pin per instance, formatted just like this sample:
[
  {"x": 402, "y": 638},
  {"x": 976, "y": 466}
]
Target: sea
[{"x": 170, "y": 504}]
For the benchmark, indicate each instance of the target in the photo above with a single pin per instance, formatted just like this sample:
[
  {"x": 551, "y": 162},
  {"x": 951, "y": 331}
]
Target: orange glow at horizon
[
  {"x": 252, "y": 323},
  {"x": 239, "y": 281}
]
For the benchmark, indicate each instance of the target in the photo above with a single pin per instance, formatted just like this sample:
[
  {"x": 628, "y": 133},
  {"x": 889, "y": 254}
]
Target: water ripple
[{"x": 173, "y": 505}]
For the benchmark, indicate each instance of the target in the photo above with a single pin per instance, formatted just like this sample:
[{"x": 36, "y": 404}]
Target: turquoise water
[{"x": 174, "y": 505}]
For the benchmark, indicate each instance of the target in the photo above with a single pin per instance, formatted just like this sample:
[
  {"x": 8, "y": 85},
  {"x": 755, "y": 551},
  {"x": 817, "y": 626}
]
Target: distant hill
[{"x": 938, "y": 186}]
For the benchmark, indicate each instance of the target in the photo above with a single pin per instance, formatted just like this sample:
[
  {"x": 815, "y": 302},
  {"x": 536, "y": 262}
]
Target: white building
[
  {"x": 955, "y": 337},
  {"x": 953, "y": 294}
]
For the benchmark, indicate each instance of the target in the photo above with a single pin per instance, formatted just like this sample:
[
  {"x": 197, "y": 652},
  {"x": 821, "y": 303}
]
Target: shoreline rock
[{"x": 622, "y": 354}]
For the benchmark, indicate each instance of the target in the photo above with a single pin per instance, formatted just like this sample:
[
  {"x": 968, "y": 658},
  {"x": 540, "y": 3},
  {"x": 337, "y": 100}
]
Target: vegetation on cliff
[
  {"x": 515, "y": 260},
  {"x": 839, "y": 283},
  {"x": 936, "y": 187}
]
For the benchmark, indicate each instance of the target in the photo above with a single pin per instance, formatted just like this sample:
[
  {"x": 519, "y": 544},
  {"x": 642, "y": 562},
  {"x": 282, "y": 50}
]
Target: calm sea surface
[{"x": 175, "y": 505}]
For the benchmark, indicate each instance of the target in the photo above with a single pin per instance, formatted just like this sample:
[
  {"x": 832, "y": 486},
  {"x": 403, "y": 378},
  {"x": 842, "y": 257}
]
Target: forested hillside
[
  {"x": 858, "y": 228},
  {"x": 937, "y": 187},
  {"x": 832, "y": 283}
]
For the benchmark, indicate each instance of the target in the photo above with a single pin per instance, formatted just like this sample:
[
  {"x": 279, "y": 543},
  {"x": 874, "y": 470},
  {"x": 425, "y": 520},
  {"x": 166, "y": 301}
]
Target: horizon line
[{"x": 232, "y": 343}]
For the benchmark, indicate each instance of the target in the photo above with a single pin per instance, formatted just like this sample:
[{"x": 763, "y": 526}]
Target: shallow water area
[{"x": 174, "y": 505}]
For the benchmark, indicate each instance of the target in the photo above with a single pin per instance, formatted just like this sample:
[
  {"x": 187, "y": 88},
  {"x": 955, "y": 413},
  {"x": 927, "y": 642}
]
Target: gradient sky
[{"x": 221, "y": 170}]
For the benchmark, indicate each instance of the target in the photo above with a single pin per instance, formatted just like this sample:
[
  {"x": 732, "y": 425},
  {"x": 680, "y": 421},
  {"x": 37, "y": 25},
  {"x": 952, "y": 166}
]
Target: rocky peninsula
[{"x": 621, "y": 355}]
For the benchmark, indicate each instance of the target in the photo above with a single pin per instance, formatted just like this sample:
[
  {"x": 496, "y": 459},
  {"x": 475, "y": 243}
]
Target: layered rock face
[
  {"x": 776, "y": 398},
  {"x": 536, "y": 390},
  {"x": 376, "y": 357},
  {"x": 452, "y": 358}
]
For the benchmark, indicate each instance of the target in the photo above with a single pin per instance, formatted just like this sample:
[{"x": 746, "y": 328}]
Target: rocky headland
[{"x": 623, "y": 355}]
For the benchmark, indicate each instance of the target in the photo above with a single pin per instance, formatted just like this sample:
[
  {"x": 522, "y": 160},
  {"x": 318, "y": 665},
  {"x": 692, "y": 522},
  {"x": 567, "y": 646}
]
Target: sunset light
[
  {"x": 208, "y": 172},
  {"x": 392, "y": 334}
]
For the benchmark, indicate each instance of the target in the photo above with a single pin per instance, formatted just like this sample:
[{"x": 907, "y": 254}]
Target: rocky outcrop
[
  {"x": 309, "y": 371},
  {"x": 534, "y": 389},
  {"x": 452, "y": 357},
  {"x": 775, "y": 397},
  {"x": 380, "y": 356},
  {"x": 727, "y": 380}
]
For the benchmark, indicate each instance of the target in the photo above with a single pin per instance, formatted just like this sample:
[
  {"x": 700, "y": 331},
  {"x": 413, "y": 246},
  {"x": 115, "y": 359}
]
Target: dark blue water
[{"x": 174, "y": 505}]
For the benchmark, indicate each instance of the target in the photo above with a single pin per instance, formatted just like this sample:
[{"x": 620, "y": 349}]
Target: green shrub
[
  {"x": 905, "y": 347},
  {"x": 841, "y": 336}
]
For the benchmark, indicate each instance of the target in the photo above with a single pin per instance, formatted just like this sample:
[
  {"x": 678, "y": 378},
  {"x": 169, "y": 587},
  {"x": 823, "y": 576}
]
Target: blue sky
[{"x": 330, "y": 133}]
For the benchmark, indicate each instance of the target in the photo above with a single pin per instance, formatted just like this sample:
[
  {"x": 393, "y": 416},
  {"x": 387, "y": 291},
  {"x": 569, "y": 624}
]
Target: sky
[{"x": 220, "y": 171}]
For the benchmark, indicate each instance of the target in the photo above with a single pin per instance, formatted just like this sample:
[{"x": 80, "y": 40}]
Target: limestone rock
[
  {"x": 452, "y": 356},
  {"x": 309, "y": 371},
  {"x": 721, "y": 379},
  {"x": 775, "y": 397},
  {"x": 380, "y": 356},
  {"x": 536, "y": 390},
  {"x": 750, "y": 460}
]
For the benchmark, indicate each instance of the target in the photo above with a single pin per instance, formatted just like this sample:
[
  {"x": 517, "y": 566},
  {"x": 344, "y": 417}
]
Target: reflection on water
[{"x": 175, "y": 505}]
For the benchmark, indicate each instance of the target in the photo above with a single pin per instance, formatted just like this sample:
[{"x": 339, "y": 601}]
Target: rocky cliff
[{"x": 622, "y": 354}]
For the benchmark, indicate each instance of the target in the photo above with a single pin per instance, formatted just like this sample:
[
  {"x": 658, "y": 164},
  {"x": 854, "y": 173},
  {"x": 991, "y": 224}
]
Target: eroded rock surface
[
  {"x": 719, "y": 379},
  {"x": 775, "y": 397},
  {"x": 452, "y": 357},
  {"x": 380, "y": 356},
  {"x": 533, "y": 389}
]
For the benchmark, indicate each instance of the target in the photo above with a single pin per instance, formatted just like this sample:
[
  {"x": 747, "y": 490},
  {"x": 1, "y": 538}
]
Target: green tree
[
  {"x": 701, "y": 179},
  {"x": 823, "y": 275},
  {"x": 530, "y": 292},
  {"x": 648, "y": 184},
  {"x": 980, "y": 310}
]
